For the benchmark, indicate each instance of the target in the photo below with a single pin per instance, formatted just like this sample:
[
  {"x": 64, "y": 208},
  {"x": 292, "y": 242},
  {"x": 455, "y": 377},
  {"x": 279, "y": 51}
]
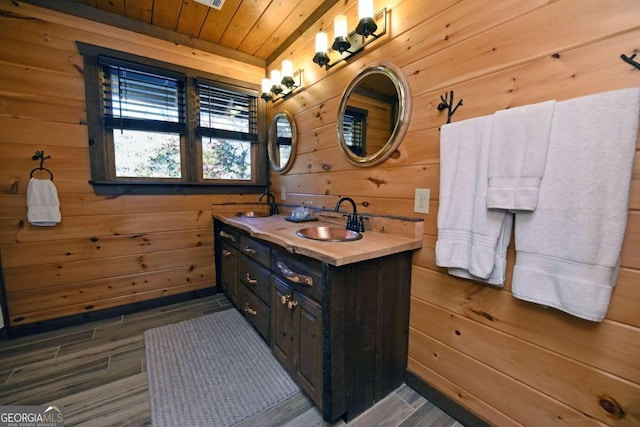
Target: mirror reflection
[
  {"x": 282, "y": 142},
  {"x": 373, "y": 115}
]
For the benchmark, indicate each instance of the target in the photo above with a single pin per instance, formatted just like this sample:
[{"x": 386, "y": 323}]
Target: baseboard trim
[
  {"x": 62, "y": 322},
  {"x": 442, "y": 401}
]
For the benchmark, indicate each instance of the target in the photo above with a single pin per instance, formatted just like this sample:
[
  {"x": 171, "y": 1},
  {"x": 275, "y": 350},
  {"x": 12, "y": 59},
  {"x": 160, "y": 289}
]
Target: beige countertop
[{"x": 381, "y": 238}]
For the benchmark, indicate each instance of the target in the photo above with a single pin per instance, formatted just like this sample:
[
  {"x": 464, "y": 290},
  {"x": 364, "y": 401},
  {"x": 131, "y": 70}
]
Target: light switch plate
[
  {"x": 421, "y": 202},
  {"x": 283, "y": 193}
]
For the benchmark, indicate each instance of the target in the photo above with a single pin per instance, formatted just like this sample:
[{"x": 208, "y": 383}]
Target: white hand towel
[
  {"x": 567, "y": 250},
  {"x": 43, "y": 205},
  {"x": 471, "y": 238},
  {"x": 517, "y": 157}
]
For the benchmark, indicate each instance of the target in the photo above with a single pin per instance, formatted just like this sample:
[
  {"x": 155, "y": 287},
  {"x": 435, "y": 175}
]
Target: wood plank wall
[
  {"x": 510, "y": 362},
  {"x": 107, "y": 251}
]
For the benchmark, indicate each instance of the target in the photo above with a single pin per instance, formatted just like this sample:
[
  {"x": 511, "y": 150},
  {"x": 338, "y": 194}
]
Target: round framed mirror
[
  {"x": 374, "y": 115},
  {"x": 281, "y": 142}
]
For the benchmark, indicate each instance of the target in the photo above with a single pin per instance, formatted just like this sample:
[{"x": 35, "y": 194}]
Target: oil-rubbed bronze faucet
[
  {"x": 354, "y": 221},
  {"x": 271, "y": 200}
]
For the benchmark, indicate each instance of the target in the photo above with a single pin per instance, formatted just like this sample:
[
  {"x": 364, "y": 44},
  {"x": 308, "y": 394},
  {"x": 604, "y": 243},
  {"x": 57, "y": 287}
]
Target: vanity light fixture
[
  {"x": 281, "y": 83},
  {"x": 348, "y": 44}
]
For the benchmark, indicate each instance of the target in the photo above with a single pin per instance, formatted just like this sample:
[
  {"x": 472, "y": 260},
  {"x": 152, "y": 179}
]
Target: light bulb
[
  {"x": 275, "y": 77},
  {"x": 340, "y": 27},
  {"x": 287, "y": 68},
  {"x": 322, "y": 42},
  {"x": 365, "y": 9},
  {"x": 266, "y": 85},
  {"x": 275, "y": 82}
]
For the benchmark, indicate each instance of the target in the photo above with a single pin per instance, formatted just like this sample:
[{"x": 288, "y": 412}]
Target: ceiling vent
[{"x": 216, "y": 4}]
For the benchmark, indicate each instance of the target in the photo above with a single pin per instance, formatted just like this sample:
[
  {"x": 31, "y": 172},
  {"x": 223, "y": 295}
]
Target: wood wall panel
[
  {"x": 26, "y": 301},
  {"x": 96, "y": 248},
  {"x": 562, "y": 378},
  {"x": 113, "y": 301},
  {"x": 497, "y": 389},
  {"x": 548, "y": 328},
  {"x": 32, "y": 56},
  {"x": 469, "y": 401},
  {"x": 514, "y": 362},
  {"x": 107, "y": 251},
  {"x": 50, "y": 275},
  {"x": 112, "y": 225}
]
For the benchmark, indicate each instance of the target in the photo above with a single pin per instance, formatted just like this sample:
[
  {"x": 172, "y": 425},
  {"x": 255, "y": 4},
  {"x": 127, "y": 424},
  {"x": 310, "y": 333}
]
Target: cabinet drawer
[
  {"x": 228, "y": 234},
  {"x": 255, "y": 277},
  {"x": 255, "y": 250},
  {"x": 256, "y": 311},
  {"x": 302, "y": 276}
]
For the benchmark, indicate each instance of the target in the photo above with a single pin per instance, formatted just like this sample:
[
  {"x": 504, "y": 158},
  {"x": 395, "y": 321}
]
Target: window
[
  {"x": 160, "y": 128},
  {"x": 354, "y": 125},
  {"x": 227, "y": 128}
]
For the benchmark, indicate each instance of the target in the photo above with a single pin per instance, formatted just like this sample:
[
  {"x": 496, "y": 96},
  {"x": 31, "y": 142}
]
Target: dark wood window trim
[{"x": 101, "y": 177}]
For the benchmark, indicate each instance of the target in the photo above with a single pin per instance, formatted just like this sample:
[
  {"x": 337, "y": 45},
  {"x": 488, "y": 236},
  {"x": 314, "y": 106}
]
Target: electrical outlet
[
  {"x": 421, "y": 202},
  {"x": 283, "y": 193}
]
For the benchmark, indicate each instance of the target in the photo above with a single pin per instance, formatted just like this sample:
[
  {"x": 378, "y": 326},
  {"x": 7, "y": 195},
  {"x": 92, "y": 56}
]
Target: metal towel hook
[
  {"x": 447, "y": 102},
  {"x": 629, "y": 60},
  {"x": 40, "y": 156}
]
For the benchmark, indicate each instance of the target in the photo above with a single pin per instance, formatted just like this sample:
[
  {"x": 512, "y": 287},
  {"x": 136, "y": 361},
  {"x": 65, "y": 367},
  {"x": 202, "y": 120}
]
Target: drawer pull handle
[
  {"x": 286, "y": 298},
  {"x": 294, "y": 277},
  {"x": 250, "y": 251},
  {"x": 292, "y": 304},
  {"x": 250, "y": 310},
  {"x": 226, "y": 253},
  {"x": 251, "y": 281},
  {"x": 227, "y": 236}
]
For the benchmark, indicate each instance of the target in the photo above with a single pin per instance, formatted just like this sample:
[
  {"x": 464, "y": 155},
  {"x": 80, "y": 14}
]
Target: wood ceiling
[{"x": 260, "y": 28}]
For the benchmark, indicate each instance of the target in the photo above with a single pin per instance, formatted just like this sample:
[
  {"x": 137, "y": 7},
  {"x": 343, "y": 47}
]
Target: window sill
[{"x": 150, "y": 187}]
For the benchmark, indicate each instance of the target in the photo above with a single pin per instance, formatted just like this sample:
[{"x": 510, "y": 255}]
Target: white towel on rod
[
  {"x": 472, "y": 240},
  {"x": 43, "y": 205},
  {"x": 517, "y": 155},
  {"x": 568, "y": 249}
]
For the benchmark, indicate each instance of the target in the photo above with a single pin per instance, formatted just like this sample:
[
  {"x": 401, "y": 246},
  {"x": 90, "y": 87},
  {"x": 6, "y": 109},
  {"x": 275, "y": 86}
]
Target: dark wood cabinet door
[
  {"x": 229, "y": 273},
  {"x": 297, "y": 337},
  {"x": 308, "y": 352},
  {"x": 282, "y": 318}
]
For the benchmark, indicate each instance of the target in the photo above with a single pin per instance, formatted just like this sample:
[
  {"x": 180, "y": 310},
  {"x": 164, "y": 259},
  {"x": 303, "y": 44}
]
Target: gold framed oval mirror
[
  {"x": 281, "y": 142},
  {"x": 374, "y": 115}
]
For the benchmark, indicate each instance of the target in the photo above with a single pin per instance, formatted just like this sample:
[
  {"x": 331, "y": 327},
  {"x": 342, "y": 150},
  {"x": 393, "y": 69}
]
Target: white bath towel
[
  {"x": 517, "y": 157},
  {"x": 567, "y": 250},
  {"x": 472, "y": 240},
  {"x": 43, "y": 205}
]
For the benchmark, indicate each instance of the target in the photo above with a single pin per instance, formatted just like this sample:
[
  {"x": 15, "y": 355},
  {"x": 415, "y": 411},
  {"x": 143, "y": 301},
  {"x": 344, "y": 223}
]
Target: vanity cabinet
[{"x": 340, "y": 331}]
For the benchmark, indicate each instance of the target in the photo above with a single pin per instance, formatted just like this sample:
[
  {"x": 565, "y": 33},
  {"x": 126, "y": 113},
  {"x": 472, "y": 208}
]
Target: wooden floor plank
[
  {"x": 428, "y": 415},
  {"x": 280, "y": 414},
  {"x": 96, "y": 406},
  {"x": 28, "y": 356},
  {"x": 312, "y": 418},
  {"x": 390, "y": 411},
  {"x": 410, "y": 396}
]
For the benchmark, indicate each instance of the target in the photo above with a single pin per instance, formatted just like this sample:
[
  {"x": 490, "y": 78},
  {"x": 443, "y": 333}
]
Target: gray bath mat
[{"x": 214, "y": 370}]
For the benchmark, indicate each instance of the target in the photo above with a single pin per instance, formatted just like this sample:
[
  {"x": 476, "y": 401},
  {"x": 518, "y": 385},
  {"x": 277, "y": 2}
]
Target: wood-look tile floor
[{"x": 97, "y": 371}]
